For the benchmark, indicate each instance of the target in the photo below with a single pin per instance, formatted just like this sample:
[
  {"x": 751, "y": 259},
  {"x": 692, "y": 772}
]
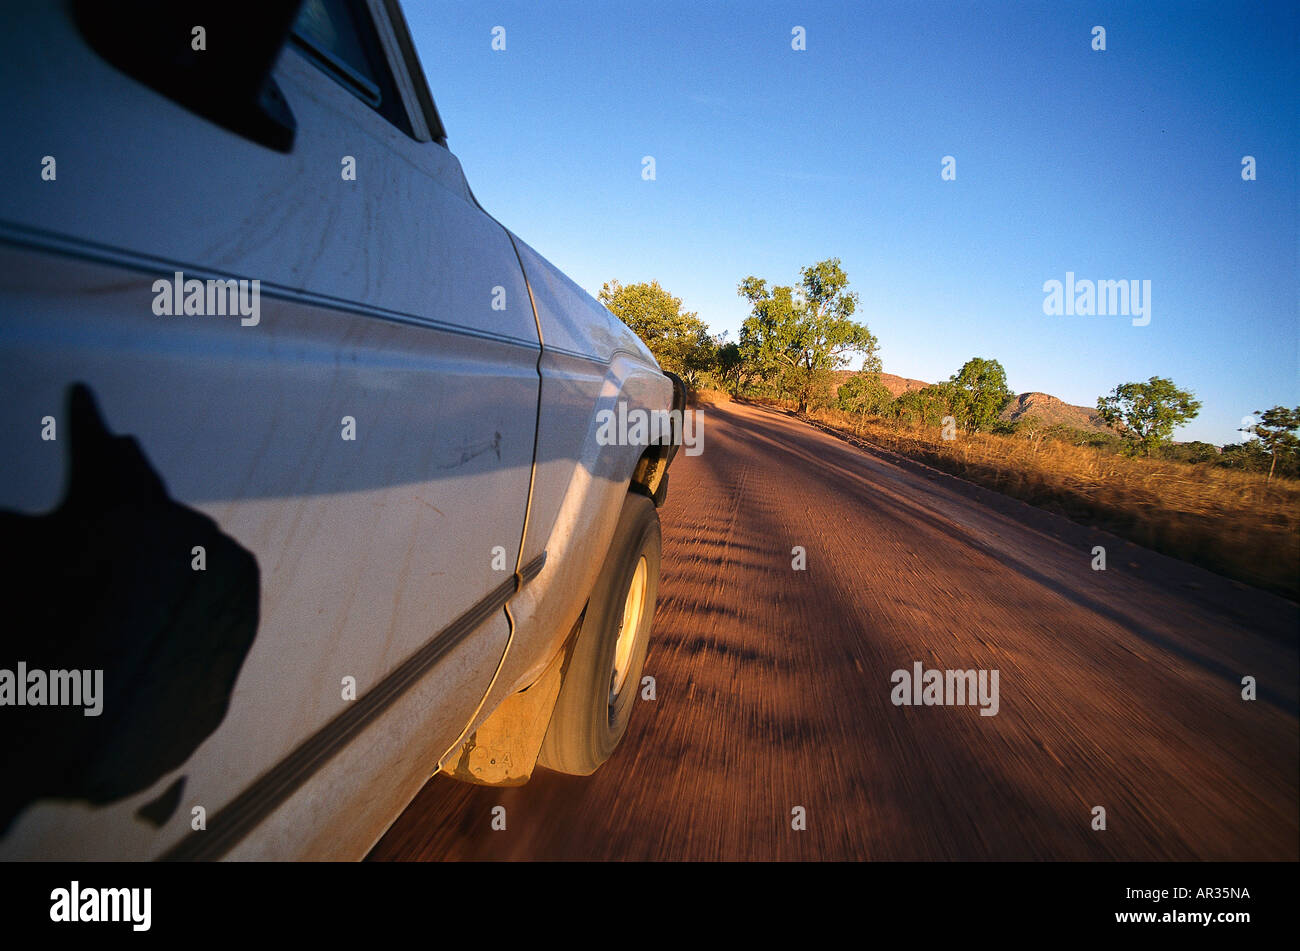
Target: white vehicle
[{"x": 301, "y": 487}]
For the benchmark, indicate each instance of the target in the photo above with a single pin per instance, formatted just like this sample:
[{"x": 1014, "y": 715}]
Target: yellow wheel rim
[{"x": 633, "y": 610}]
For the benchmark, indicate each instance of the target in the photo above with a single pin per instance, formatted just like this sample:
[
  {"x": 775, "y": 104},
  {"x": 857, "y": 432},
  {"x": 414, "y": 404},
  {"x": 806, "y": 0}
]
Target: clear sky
[{"x": 1116, "y": 165}]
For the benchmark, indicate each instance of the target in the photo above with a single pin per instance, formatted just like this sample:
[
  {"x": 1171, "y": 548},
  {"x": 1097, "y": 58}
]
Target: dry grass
[
  {"x": 706, "y": 397},
  {"x": 1232, "y": 523}
]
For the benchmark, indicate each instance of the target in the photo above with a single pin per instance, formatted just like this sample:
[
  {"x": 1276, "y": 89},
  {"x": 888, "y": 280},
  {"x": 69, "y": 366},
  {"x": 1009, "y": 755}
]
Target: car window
[{"x": 340, "y": 38}]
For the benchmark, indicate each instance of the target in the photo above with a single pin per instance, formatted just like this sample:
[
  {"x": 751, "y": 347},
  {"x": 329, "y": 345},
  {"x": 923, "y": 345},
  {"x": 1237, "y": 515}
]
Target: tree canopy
[
  {"x": 1276, "y": 430},
  {"x": 798, "y": 336},
  {"x": 678, "y": 338},
  {"x": 978, "y": 392},
  {"x": 1146, "y": 414},
  {"x": 864, "y": 393}
]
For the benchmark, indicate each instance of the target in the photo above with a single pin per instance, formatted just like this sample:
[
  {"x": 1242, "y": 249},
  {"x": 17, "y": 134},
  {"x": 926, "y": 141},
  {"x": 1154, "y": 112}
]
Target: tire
[{"x": 603, "y": 677}]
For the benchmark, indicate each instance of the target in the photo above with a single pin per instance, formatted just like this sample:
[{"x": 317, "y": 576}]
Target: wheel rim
[{"x": 633, "y": 610}]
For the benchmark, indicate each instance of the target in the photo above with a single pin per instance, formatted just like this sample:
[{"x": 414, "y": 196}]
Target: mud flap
[{"x": 503, "y": 750}]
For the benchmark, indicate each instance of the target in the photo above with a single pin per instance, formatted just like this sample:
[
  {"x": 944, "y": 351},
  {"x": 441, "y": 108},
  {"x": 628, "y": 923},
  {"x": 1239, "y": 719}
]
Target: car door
[{"x": 349, "y": 442}]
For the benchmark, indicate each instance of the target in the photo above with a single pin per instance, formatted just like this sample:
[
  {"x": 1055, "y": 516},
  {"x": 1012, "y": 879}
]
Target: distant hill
[
  {"x": 898, "y": 385},
  {"x": 1050, "y": 410}
]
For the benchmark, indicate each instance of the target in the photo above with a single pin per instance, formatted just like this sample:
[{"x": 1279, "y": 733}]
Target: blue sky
[{"x": 1116, "y": 165}]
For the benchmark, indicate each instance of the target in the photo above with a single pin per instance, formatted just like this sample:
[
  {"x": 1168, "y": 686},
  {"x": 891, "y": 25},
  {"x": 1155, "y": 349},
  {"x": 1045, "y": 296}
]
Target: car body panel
[
  {"x": 381, "y": 300},
  {"x": 590, "y": 363}
]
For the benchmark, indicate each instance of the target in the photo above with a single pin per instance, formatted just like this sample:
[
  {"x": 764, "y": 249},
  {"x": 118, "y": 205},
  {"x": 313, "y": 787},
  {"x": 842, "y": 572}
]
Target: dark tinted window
[{"x": 340, "y": 37}]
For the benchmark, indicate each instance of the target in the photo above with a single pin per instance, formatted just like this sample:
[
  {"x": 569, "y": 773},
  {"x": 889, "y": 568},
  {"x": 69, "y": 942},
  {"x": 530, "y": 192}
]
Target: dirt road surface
[{"x": 1118, "y": 688}]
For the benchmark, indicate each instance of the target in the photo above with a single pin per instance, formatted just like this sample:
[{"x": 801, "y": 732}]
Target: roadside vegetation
[
  {"x": 1233, "y": 509},
  {"x": 1236, "y": 523}
]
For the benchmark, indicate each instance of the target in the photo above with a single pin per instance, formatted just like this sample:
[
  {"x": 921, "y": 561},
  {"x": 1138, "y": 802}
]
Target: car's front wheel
[{"x": 603, "y": 677}]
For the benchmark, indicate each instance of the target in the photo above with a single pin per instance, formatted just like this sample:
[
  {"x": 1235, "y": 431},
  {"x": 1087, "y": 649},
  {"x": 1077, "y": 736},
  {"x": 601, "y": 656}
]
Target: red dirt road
[{"x": 1117, "y": 688}]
